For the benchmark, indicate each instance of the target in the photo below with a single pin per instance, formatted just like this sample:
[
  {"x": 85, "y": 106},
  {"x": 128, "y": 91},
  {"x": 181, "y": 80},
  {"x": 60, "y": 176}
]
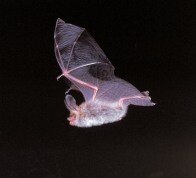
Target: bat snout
[{"x": 72, "y": 119}]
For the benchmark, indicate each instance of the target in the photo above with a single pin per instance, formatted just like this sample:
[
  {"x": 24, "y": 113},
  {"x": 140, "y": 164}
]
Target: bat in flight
[{"x": 89, "y": 71}]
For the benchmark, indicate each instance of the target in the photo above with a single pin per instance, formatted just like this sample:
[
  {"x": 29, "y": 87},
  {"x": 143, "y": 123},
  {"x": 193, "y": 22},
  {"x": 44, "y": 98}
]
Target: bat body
[
  {"x": 89, "y": 71},
  {"x": 93, "y": 113}
]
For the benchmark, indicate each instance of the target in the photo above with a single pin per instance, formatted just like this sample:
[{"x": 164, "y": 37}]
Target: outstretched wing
[
  {"x": 84, "y": 63},
  {"x": 78, "y": 54}
]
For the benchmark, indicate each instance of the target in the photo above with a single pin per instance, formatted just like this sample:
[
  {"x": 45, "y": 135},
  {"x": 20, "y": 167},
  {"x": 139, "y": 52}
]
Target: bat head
[
  {"x": 79, "y": 115},
  {"x": 71, "y": 105}
]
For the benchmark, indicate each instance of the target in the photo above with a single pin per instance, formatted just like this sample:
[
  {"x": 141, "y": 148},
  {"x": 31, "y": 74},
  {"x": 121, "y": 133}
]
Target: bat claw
[
  {"x": 68, "y": 91},
  {"x": 63, "y": 74},
  {"x": 59, "y": 77}
]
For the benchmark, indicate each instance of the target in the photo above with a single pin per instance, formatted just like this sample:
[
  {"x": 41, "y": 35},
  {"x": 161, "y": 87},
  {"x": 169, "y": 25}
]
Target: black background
[{"x": 151, "y": 45}]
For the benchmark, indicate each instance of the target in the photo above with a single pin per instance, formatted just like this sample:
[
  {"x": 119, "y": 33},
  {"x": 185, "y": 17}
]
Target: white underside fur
[{"x": 98, "y": 113}]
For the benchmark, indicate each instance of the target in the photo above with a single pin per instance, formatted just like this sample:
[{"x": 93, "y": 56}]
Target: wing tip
[
  {"x": 59, "y": 20},
  {"x": 59, "y": 23}
]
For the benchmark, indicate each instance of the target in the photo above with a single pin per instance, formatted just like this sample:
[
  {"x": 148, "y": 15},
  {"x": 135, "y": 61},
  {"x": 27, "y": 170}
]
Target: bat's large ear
[{"x": 70, "y": 103}]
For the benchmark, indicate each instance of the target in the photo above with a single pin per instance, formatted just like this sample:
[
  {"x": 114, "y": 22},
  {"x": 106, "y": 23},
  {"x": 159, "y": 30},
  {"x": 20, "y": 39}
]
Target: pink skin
[{"x": 72, "y": 119}]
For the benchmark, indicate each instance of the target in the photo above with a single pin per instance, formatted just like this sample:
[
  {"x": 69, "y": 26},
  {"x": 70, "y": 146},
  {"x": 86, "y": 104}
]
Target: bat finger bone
[
  {"x": 95, "y": 93},
  {"x": 63, "y": 74}
]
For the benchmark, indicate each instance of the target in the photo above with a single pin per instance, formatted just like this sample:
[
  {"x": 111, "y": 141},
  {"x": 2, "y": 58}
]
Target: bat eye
[{"x": 70, "y": 103}]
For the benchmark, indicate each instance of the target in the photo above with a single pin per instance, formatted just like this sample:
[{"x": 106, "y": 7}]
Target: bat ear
[{"x": 70, "y": 103}]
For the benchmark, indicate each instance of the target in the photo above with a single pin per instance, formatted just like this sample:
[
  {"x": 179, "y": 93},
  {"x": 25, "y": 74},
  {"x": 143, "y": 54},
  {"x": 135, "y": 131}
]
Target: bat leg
[
  {"x": 121, "y": 100},
  {"x": 95, "y": 93}
]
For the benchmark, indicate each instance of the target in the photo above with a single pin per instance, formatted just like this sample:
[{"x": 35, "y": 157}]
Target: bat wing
[
  {"x": 84, "y": 63},
  {"x": 121, "y": 91},
  {"x": 78, "y": 55}
]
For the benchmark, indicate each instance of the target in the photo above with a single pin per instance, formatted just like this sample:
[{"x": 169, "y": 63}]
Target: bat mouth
[{"x": 72, "y": 119}]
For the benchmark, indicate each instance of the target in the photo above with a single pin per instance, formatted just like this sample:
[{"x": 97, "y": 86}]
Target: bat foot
[{"x": 145, "y": 93}]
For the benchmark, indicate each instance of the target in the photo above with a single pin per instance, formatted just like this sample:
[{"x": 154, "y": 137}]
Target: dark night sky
[{"x": 149, "y": 43}]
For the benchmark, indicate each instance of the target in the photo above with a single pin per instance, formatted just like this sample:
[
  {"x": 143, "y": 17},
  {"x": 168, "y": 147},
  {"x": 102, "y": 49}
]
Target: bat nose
[{"x": 72, "y": 120}]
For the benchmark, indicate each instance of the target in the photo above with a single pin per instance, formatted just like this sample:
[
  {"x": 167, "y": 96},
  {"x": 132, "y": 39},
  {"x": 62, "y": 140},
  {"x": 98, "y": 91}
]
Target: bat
[{"x": 90, "y": 72}]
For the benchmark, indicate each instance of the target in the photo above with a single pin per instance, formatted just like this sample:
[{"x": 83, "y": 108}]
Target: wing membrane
[
  {"x": 75, "y": 47},
  {"x": 84, "y": 63}
]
